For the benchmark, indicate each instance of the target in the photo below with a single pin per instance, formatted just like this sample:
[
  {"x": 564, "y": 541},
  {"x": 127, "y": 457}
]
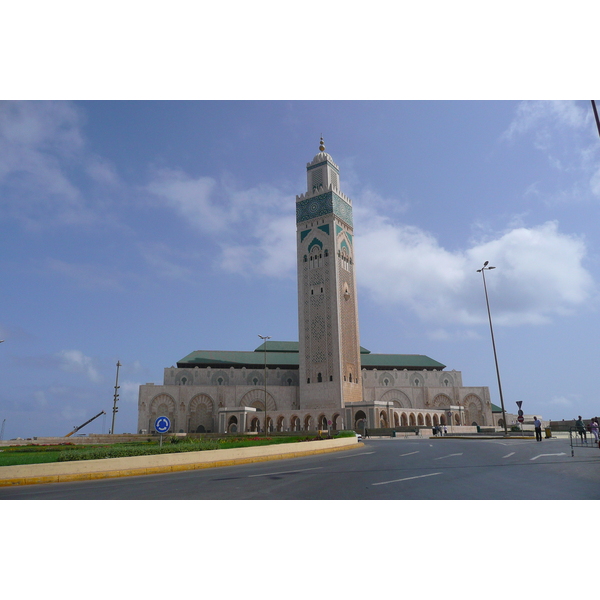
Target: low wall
[
  {"x": 93, "y": 438},
  {"x": 164, "y": 463},
  {"x": 420, "y": 430}
]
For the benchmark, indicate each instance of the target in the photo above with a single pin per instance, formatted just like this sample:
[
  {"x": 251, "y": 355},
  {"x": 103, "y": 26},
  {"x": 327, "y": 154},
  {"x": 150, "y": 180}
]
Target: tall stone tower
[{"x": 330, "y": 368}]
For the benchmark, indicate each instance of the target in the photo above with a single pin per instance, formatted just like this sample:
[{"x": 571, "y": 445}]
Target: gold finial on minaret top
[{"x": 322, "y": 145}]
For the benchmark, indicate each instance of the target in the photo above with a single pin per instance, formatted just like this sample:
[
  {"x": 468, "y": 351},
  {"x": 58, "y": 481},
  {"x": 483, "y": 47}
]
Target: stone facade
[
  {"x": 391, "y": 399},
  {"x": 326, "y": 380}
]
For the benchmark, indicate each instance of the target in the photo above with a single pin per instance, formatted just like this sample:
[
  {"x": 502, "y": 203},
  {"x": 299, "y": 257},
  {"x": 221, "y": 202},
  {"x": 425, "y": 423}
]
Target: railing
[{"x": 582, "y": 438}]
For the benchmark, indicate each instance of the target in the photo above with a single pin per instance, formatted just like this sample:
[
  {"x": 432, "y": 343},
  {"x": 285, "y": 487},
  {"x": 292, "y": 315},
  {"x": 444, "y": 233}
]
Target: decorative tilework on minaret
[{"x": 330, "y": 374}]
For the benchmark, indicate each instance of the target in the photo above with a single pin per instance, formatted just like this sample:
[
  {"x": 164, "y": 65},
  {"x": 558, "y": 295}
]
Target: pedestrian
[
  {"x": 434, "y": 430},
  {"x": 445, "y": 430},
  {"x": 538, "y": 429},
  {"x": 595, "y": 428},
  {"x": 581, "y": 429}
]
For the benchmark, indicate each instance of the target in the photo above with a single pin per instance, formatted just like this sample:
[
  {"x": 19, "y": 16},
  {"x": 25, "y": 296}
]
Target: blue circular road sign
[{"x": 162, "y": 424}]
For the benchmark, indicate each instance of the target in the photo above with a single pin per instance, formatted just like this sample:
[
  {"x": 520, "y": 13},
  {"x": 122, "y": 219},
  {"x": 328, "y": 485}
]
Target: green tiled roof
[
  {"x": 400, "y": 361},
  {"x": 275, "y": 346},
  {"x": 226, "y": 359},
  {"x": 285, "y": 355}
]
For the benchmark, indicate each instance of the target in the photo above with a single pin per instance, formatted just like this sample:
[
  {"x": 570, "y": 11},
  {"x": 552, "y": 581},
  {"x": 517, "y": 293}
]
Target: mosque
[{"x": 326, "y": 380}]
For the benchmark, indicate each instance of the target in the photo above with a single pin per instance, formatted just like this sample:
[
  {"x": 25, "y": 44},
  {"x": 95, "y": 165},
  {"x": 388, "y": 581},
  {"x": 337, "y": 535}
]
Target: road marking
[
  {"x": 284, "y": 472},
  {"x": 405, "y": 479},
  {"x": 409, "y": 453},
  {"x": 448, "y": 456},
  {"x": 508, "y": 455},
  {"x": 540, "y": 455},
  {"x": 353, "y": 455}
]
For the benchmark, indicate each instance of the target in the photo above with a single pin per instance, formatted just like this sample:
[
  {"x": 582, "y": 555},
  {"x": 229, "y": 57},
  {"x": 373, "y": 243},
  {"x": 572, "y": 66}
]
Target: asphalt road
[{"x": 386, "y": 469}]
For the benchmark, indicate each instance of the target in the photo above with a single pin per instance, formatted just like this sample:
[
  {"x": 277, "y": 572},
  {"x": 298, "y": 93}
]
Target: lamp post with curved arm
[{"x": 487, "y": 302}]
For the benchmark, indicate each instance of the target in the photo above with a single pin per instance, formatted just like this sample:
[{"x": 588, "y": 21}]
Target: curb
[
  {"x": 482, "y": 437},
  {"x": 90, "y": 474}
]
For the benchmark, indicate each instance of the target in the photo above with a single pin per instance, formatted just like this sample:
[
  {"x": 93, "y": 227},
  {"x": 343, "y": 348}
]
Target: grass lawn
[{"x": 28, "y": 455}]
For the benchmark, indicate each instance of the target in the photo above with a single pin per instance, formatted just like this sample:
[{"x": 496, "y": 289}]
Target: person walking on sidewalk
[
  {"x": 581, "y": 429},
  {"x": 595, "y": 428},
  {"x": 538, "y": 429}
]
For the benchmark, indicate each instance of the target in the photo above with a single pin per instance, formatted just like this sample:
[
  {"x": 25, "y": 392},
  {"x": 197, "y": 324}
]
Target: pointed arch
[
  {"x": 396, "y": 398},
  {"x": 200, "y": 413},
  {"x": 441, "y": 401},
  {"x": 162, "y": 405},
  {"x": 474, "y": 413},
  {"x": 256, "y": 399}
]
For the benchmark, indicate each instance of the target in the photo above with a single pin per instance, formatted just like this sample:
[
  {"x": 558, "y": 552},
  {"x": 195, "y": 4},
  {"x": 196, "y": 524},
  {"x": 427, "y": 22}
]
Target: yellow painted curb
[{"x": 152, "y": 470}]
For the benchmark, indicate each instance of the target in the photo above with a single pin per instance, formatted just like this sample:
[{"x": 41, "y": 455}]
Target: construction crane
[{"x": 84, "y": 424}]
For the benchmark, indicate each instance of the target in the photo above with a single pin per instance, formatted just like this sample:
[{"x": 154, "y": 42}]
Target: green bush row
[
  {"x": 69, "y": 451},
  {"x": 116, "y": 452}
]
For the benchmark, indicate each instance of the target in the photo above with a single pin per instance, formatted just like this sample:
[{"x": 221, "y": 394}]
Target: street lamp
[
  {"x": 482, "y": 271},
  {"x": 264, "y": 338}
]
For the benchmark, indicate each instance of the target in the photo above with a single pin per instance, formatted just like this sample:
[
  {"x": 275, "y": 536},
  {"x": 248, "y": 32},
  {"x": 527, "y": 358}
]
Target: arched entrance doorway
[
  {"x": 360, "y": 420},
  {"x": 232, "y": 425}
]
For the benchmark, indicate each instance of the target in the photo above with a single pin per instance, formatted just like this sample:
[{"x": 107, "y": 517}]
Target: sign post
[
  {"x": 520, "y": 418},
  {"x": 162, "y": 425}
]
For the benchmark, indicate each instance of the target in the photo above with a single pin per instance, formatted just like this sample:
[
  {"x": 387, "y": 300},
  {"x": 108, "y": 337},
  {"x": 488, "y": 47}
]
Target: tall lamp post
[
  {"x": 264, "y": 338},
  {"x": 482, "y": 271}
]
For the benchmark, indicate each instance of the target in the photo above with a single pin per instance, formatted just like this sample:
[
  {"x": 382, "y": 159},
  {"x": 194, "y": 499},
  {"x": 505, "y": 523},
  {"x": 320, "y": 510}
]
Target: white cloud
[
  {"x": 75, "y": 361},
  {"x": 41, "y": 145},
  {"x": 542, "y": 116},
  {"x": 191, "y": 198},
  {"x": 539, "y": 274},
  {"x": 254, "y": 227},
  {"x": 129, "y": 391},
  {"x": 35, "y": 138},
  {"x": 565, "y": 132}
]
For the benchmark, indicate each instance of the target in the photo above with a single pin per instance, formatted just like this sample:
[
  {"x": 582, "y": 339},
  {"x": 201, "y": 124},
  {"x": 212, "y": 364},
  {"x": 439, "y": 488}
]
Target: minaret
[{"x": 330, "y": 374}]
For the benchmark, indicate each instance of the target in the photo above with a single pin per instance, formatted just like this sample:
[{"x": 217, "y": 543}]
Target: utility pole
[{"x": 115, "y": 409}]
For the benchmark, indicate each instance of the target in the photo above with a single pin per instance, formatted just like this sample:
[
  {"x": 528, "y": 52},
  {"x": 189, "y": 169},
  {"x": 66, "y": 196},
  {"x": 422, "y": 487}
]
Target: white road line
[
  {"x": 353, "y": 455},
  {"x": 405, "y": 479},
  {"x": 508, "y": 455},
  {"x": 448, "y": 456},
  {"x": 285, "y": 472},
  {"x": 540, "y": 455},
  {"x": 409, "y": 453}
]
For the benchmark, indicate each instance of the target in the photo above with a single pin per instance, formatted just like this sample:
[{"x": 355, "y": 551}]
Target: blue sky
[{"x": 140, "y": 231}]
